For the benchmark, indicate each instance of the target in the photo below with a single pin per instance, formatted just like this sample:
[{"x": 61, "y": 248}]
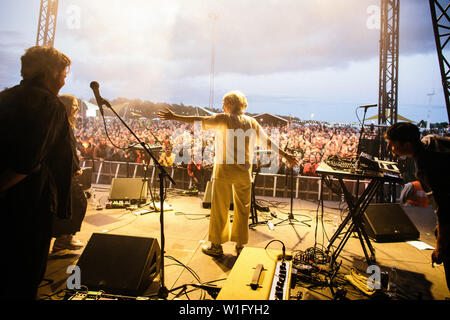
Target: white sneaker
[
  {"x": 214, "y": 250},
  {"x": 67, "y": 242}
]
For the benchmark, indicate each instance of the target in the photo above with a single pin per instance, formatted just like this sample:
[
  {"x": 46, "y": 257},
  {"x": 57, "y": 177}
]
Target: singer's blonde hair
[
  {"x": 236, "y": 100},
  {"x": 40, "y": 62},
  {"x": 67, "y": 100}
]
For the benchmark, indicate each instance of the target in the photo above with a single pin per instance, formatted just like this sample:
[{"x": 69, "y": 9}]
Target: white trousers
[{"x": 220, "y": 229}]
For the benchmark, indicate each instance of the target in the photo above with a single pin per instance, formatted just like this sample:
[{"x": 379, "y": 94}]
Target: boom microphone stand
[
  {"x": 291, "y": 217},
  {"x": 361, "y": 133},
  {"x": 163, "y": 292}
]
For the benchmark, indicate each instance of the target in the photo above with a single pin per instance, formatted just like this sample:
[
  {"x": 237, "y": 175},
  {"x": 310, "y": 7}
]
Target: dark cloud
[
  {"x": 145, "y": 47},
  {"x": 416, "y": 28},
  {"x": 252, "y": 36},
  {"x": 9, "y": 69},
  {"x": 11, "y": 51}
]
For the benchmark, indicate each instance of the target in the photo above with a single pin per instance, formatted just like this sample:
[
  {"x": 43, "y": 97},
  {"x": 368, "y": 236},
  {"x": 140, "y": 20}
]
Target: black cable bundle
[{"x": 312, "y": 256}]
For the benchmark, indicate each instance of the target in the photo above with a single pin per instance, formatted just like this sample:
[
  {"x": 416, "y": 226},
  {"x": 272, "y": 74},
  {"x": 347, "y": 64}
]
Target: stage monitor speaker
[
  {"x": 208, "y": 195},
  {"x": 128, "y": 189},
  {"x": 119, "y": 264},
  {"x": 388, "y": 222}
]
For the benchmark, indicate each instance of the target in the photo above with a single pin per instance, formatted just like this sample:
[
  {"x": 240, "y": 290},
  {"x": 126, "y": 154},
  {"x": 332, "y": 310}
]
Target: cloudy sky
[{"x": 308, "y": 58}]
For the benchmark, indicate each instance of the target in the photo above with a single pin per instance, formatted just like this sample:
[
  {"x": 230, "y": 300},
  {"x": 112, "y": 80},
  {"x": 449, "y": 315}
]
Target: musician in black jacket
[
  {"x": 432, "y": 157},
  {"x": 35, "y": 173}
]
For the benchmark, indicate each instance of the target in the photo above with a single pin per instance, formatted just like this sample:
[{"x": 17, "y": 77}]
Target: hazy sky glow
[{"x": 290, "y": 57}]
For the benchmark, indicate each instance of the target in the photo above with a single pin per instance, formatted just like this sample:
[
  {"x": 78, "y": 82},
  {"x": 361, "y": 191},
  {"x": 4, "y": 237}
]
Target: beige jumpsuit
[{"x": 236, "y": 136}]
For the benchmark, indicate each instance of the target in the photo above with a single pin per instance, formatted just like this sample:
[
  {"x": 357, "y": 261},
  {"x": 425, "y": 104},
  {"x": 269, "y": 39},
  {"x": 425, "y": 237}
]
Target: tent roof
[
  {"x": 270, "y": 115},
  {"x": 207, "y": 111},
  {"x": 399, "y": 117}
]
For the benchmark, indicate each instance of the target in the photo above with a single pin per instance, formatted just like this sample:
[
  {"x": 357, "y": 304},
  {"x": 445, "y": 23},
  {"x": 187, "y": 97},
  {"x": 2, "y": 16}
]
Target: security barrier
[{"x": 272, "y": 185}]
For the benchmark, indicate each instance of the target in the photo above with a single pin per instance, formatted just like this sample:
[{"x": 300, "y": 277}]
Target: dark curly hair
[
  {"x": 404, "y": 132},
  {"x": 39, "y": 61}
]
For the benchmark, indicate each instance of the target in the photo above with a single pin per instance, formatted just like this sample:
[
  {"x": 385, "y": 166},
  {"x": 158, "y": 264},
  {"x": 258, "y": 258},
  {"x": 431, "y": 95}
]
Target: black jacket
[
  {"x": 35, "y": 134},
  {"x": 433, "y": 171}
]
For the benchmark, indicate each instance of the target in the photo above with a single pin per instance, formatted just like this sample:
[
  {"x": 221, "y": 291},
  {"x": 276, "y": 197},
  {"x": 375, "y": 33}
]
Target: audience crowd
[{"x": 311, "y": 142}]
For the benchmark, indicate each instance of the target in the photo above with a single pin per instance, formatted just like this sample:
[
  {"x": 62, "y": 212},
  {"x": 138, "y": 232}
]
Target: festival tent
[
  {"x": 399, "y": 118},
  {"x": 270, "y": 119}
]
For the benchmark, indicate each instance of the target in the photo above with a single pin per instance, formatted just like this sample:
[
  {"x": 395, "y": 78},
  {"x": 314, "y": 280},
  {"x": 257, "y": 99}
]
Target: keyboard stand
[
  {"x": 353, "y": 221},
  {"x": 357, "y": 207}
]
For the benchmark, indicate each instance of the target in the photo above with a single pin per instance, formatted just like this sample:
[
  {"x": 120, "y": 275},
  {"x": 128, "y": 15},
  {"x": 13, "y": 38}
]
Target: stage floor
[{"x": 186, "y": 229}]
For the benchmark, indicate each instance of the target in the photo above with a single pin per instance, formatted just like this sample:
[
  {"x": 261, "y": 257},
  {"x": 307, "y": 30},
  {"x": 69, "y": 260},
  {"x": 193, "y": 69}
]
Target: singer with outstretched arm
[{"x": 235, "y": 137}]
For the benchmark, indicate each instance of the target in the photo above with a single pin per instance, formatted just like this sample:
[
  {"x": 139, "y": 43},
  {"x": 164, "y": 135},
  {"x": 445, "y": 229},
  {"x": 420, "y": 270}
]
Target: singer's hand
[
  {"x": 166, "y": 114},
  {"x": 291, "y": 160}
]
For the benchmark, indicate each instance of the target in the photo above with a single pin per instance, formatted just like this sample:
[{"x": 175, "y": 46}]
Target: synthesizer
[{"x": 362, "y": 168}]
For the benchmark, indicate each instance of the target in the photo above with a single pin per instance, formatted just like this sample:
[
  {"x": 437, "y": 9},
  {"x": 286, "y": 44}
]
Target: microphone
[
  {"x": 100, "y": 101},
  {"x": 368, "y": 106}
]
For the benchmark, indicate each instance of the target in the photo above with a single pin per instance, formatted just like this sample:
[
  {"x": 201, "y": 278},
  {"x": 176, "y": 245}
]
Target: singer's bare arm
[
  {"x": 169, "y": 115},
  {"x": 291, "y": 159},
  {"x": 9, "y": 178}
]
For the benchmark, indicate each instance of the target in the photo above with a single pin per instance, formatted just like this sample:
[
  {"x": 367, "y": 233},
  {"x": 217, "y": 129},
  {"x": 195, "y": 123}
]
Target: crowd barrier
[{"x": 272, "y": 185}]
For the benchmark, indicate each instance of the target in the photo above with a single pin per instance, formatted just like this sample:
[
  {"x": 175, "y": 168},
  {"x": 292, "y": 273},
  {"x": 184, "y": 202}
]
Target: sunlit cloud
[{"x": 292, "y": 50}]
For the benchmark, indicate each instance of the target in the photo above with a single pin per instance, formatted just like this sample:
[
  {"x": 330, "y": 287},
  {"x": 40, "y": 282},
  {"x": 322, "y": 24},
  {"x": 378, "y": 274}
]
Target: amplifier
[
  {"x": 127, "y": 189},
  {"x": 258, "y": 274}
]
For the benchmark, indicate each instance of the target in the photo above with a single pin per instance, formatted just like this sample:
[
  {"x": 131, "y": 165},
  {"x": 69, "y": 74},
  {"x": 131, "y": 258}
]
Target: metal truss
[
  {"x": 47, "y": 23},
  {"x": 388, "y": 81},
  {"x": 441, "y": 27}
]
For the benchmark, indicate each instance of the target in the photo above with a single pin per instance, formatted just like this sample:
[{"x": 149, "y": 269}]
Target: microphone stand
[
  {"x": 291, "y": 217},
  {"x": 253, "y": 206},
  {"x": 358, "y": 152},
  {"x": 361, "y": 131},
  {"x": 163, "y": 291}
]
